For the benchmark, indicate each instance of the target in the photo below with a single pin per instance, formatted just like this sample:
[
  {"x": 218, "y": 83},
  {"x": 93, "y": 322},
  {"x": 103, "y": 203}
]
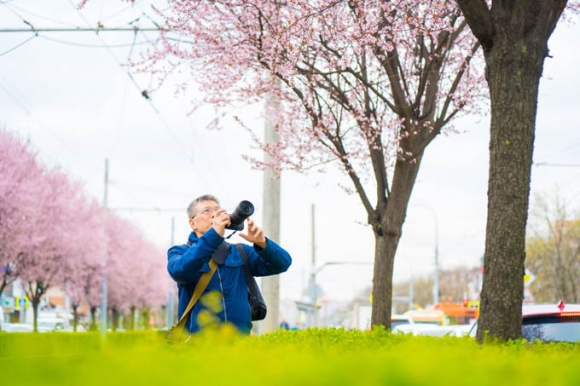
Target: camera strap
[{"x": 219, "y": 256}]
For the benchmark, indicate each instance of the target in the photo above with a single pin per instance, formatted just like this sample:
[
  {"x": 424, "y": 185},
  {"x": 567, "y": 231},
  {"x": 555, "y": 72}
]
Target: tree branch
[{"x": 478, "y": 17}]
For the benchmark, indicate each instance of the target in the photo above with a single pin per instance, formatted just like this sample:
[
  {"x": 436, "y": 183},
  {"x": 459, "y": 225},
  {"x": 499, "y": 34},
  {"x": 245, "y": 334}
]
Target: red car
[{"x": 549, "y": 322}]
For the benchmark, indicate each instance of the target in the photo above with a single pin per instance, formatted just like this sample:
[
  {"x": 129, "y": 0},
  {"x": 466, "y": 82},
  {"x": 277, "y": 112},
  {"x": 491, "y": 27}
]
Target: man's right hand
[{"x": 220, "y": 221}]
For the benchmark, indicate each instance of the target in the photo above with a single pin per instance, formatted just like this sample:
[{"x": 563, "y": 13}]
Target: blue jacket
[{"x": 186, "y": 265}]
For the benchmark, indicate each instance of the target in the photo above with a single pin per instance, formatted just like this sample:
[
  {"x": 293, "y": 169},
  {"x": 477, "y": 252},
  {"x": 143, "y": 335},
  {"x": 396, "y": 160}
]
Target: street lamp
[
  {"x": 436, "y": 271},
  {"x": 313, "y": 288}
]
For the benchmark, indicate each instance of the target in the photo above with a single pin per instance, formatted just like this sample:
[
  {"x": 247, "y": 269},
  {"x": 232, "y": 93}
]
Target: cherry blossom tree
[
  {"x": 49, "y": 249},
  {"x": 19, "y": 176},
  {"x": 52, "y": 234},
  {"x": 122, "y": 240},
  {"x": 365, "y": 86},
  {"x": 136, "y": 274},
  {"x": 514, "y": 36},
  {"x": 83, "y": 273},
  {"x": 151, "y": 286}
]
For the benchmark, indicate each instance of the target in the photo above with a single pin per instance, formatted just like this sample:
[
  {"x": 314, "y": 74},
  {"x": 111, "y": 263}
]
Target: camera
[{"x": 244, "y": 210}]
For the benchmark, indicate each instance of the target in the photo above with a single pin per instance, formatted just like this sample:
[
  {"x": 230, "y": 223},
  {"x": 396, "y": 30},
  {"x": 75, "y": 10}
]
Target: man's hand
[
  {"x": 220, "y": 221},
  {"x": 255, "y": 234}
]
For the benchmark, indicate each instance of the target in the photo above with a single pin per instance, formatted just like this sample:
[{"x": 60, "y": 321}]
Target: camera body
[{"x": 244, "y": 210}]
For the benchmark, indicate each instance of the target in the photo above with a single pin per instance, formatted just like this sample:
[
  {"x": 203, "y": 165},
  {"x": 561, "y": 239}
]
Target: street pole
[
  {"x": 104, "y": 283},
  {"x": 271, "y": 221},
  {"x": 436, "y": 270},
  {"x": 313, "y": 288},
  {"x": 170, "y": 309},
  {"x": 411, "y": 292}
]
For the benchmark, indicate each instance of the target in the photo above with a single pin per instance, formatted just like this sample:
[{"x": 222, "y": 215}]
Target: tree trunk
[
  {"x": 146, "y": 317},
  {"x": 387, "y": 239},
  {"x": 115, "y": 319},
  {"x": 93, "y": 318},
  {"x": 75, "y": 309},
  {"x": 514, "y": 67},
  {"x": 132, "y": 319},
  {"x": 35, "y": 303}
]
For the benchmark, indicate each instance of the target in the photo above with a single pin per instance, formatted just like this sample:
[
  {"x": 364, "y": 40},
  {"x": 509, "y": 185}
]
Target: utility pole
[
  {"x": 313, "y": 289},
  {"x": 436, "y": 275},
  {"x": 170, "y": 302},
  {"x": 436, "y": 268},
  {"x": 271, "y": 221},
  {"x": 104, "y": 283}
]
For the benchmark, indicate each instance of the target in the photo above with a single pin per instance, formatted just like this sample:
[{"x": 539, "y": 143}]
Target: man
[{"x": 187, "y": 263}]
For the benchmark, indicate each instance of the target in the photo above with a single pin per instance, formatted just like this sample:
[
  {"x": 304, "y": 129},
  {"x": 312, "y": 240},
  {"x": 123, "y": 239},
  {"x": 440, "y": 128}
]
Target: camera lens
[{"x": 244, "y": 210}]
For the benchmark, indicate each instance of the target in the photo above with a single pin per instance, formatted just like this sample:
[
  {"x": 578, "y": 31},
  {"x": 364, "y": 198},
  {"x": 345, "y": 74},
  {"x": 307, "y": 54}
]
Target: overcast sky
[{"x": 69, "y": 93}]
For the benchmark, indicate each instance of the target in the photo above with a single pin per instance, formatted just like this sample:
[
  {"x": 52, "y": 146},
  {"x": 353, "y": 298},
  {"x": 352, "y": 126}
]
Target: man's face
[{"x": 202, "y": 219}]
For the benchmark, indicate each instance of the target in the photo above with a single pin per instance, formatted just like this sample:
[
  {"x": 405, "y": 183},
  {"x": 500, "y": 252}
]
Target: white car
[
  {"x": 16, "y": 327},
  {"x": 52, "y": 324},
  {"x": 423, "y": 329},
  {"x": 399, "y": 320}
]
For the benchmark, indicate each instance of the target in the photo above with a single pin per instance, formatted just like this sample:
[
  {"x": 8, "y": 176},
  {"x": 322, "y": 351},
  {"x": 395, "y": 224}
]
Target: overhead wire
[
  {"x": 145, "y": 94},
  {"x": 18, "y": 45},
  {"x": 23, "y": 105},
  {"x": 215, "y": 177},
  {"x": 90, "y": 45},
  {"x": 20, "y": 101},
  {"x": 35, "y": 14},
  {"x": 185, "y": 151}
]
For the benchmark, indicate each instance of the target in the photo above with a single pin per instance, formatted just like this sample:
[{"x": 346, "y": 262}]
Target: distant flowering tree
[
  {"x": 122, "y": 262},
  {"x": 51, "y": 249},
  {"x": 365, "y": 85},
  {"x": 83, "y": 273},
  {"x": 19, "y": 176},
  {"x": 157, "y": 286},
  {"x": 136, "y": 272},
  {"x": 52, "y": 234}
]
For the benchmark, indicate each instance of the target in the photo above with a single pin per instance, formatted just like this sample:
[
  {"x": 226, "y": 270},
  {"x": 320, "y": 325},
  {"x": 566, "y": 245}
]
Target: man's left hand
[{"x": 254, "y": 234}]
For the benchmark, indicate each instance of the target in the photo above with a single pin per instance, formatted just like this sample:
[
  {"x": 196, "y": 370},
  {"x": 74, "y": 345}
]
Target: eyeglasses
[{"x": 207, "y": 211}]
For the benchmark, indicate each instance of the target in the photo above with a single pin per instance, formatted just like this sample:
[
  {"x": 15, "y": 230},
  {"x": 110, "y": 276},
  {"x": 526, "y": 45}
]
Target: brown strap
[{"x": 199, "y": 288}]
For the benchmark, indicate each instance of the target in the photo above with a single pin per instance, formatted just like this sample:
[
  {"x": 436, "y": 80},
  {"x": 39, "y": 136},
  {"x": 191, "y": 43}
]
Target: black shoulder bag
[{"x": 257, "y": 304}]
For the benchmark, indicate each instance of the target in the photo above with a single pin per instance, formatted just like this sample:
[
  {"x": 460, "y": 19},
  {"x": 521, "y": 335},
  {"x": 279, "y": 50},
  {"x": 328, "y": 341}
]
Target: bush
[{"x": 310, "y": 356}]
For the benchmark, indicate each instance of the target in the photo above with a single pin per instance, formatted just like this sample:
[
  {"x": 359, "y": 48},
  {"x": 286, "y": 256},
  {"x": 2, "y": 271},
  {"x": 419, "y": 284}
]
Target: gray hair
[{"x": 205, "y": 197}]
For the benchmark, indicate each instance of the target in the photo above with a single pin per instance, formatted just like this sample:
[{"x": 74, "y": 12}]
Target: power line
[
  {"x": 78, "y": 29},
  {"x": 97, "y": 30},
  {"x": 18, "y": 45},
  {"x": 90, "y": 45}
]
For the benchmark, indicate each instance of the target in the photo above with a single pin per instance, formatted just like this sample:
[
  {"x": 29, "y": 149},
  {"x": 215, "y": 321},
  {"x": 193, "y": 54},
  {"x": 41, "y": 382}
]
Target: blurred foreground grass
[{"x": 305, "y": 357}]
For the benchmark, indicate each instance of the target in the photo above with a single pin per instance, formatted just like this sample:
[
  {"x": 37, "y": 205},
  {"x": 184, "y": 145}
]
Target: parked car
[
  {"x": 16, "y": 327},
  {"x": 549, "y": 322},
  {"x": 423, "y": 329},
  {"x": 52, "y": 324},
  {"x": 398, "y": 320}
]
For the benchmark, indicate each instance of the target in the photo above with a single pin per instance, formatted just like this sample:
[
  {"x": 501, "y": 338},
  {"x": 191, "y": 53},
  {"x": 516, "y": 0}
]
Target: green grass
[{"x": 305, "y": 357}]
